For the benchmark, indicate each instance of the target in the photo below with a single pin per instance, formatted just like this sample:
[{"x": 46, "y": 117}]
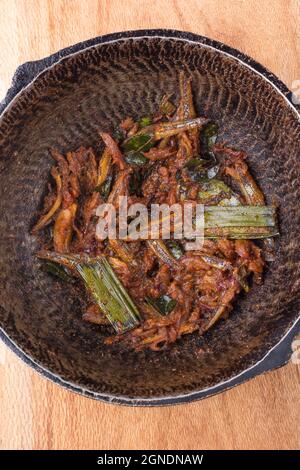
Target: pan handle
[
  {"x": 28, "y": 71},
  {"x": 24, "y": 74}
]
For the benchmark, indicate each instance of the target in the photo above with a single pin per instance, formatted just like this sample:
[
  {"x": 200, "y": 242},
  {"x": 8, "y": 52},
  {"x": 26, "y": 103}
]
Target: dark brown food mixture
[{"x": 169, "y": 158}]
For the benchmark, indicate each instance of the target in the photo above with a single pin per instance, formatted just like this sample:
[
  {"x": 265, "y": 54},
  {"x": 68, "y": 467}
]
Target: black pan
[{"x": 62, "y": 101}]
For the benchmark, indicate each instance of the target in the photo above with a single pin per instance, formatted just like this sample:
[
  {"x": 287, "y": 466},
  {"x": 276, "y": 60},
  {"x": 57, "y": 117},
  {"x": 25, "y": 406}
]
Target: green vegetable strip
[
  {"x": 105, "y": 297},
  {"x": 119, "y": 288},
  {"x": 237, "y": 222},
  {"x": 239, "y": 216},
  {"x": 110, "y": 294},
  {"x": 104, "y": 285}
]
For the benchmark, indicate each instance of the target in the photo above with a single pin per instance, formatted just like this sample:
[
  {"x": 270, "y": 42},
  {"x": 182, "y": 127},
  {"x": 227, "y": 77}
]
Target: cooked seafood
[{"x": 153, "y": 291}]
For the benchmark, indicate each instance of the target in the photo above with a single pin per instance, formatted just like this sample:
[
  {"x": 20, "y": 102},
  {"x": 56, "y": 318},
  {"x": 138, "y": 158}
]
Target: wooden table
[{"x": 262, "y": 414}]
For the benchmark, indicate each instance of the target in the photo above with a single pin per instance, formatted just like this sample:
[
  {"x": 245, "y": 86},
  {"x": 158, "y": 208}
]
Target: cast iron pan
[{"x": 62, "y": 101}]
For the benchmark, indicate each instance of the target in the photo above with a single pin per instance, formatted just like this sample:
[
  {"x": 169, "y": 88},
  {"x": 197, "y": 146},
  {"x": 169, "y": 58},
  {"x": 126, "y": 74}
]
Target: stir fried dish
[{"x": 148, "y": 293}]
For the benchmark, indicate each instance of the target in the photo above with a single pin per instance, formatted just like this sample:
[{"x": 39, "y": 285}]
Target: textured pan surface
[{"x": 65, "y": 107}]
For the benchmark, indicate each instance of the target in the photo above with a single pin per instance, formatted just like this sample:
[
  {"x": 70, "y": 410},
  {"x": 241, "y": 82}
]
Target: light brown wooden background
[{"x": 263, "y": 413}]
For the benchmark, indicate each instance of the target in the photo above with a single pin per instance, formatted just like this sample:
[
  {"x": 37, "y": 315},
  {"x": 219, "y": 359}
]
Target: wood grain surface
[{"x": 261, "y": 414}]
